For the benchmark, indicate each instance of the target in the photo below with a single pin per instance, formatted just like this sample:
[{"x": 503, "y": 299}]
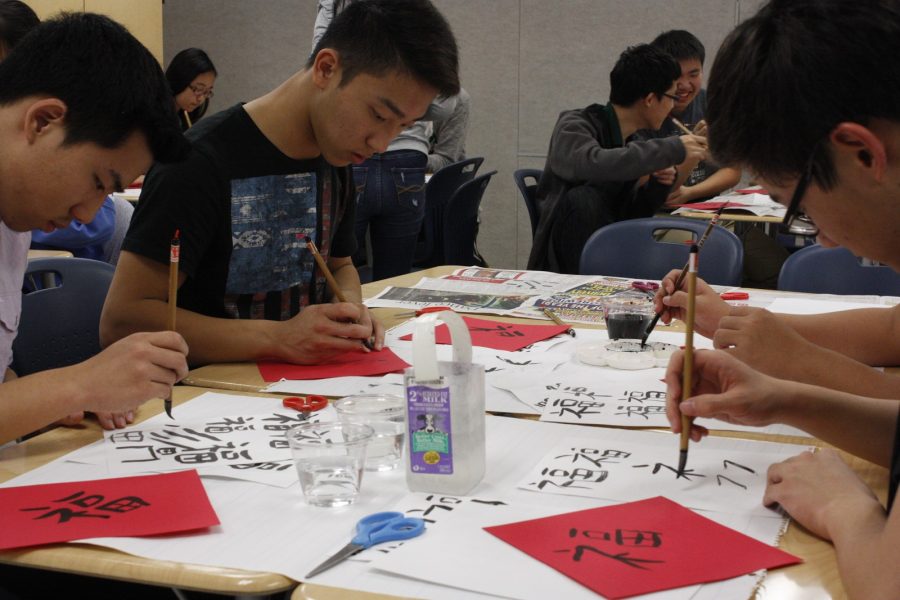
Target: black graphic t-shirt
[{"x": 242, "y": 208}]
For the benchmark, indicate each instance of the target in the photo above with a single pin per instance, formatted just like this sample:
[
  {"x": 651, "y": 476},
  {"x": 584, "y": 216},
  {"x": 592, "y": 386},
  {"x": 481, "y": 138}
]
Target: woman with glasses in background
[{"x": 191, "y": 76}]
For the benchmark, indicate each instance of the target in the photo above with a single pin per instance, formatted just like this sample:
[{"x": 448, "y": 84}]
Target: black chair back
[
  {"x": 820, "y": 270},
  {"x": 528, "y": 191},
  {"x": 461, "y": 222},
  {"x": 441, "y": 186},
  {"x": 60, "y": 323},
  {"x": 633, "y": 248}
]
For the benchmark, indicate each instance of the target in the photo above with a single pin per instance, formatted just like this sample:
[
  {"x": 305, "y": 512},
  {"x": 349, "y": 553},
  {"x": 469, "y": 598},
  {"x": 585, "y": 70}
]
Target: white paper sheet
[
  {"x": 392, "y": 383},
  {"x": 264, "y": 443},
  {"x": 810, "y": 306},
  {"x": 623, "y": 466},
  {"x": 270, "y": 529}
]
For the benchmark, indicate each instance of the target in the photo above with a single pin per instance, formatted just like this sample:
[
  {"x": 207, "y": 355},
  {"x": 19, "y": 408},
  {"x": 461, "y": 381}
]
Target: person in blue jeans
[
  {"x": 390, "y": 205},
  {"x": 390, "y": 196},
  {"x": 390, "y": 187}
]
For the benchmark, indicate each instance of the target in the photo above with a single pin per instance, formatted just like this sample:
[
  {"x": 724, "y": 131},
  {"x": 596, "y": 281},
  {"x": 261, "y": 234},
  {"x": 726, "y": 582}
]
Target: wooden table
[
  {"x": 737, "y": 218},
  {"x": 816, "y": 578}
]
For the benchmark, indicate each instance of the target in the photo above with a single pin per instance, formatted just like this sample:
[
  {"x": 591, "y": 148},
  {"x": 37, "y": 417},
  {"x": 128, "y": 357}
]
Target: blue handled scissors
[{"x": 374, "y": 529}]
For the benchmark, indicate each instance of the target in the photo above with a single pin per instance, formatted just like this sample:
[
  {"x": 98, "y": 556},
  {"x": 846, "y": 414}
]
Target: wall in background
[
  {"x": 143, "y": 18},
  {"x": 523, "y": 61}
]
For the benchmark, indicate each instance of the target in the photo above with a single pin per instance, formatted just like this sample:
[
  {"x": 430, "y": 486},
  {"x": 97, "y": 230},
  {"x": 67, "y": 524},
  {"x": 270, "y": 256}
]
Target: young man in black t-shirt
[{"x": 264, "y": 175}]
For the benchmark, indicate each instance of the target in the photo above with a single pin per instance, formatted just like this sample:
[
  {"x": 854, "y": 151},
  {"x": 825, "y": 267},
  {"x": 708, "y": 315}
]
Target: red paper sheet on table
[
  {"x": 357, "y": 363},
  {"x": 499, "y": 335},
  {"x": 640, "y": 547},
  {"x": 124, "y": 506}
]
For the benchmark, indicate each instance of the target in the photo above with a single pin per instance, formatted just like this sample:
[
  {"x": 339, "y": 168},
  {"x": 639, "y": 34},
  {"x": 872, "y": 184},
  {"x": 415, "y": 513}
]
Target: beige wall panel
[
  {"x": 488, "y": 40},
  {"x": 143, "y": 18},
  {"x": 255, "y": 44},
  {"x": 48, "y": 8}
]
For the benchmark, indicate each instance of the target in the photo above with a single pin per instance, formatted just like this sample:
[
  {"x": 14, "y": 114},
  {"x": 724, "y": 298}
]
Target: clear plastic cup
[
  {"x": 385, "y": 414},
  {"x": 627, "y": 315},
  {"x": 330, "y": 458}
]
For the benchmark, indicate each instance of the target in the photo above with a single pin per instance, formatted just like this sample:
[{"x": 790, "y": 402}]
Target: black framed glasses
[
  {"x": 673, "y": 97},
  {"x": 795, "y": 221}
]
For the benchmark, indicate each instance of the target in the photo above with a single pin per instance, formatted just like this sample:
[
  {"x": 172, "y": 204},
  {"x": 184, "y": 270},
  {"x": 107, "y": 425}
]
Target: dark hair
[
  {"x": 378, "y": 36},
  {"x": 680, "y": 44},
  {"x": 16, "y": 19},
  {"x": 185, "y": 66},
  {"x": 786, "y": 77},
  {"x": 111, "y": 84},
  {"x": 641, "y": 70}
]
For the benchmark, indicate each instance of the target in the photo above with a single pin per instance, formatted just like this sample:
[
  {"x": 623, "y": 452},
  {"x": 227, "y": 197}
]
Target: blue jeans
[{"x": 390, "y": 203}]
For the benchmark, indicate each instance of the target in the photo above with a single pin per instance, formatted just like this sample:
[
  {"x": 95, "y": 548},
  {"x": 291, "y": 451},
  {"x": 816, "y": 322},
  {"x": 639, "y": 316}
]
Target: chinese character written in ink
[
  {"x": 594, "y": 456},
  {"x": 577, "y": 408},
  {"x": 501, "y": 330},
  {"x": 88, "y": 506},
  {"x": 264, "y": 466},
  {"x": 724, "y": 478},
  {"x": 686, "y": 474},
  {"x": 229, "y": 425},
  {"x": 644, "y": 411},
  {"x": 636, "y": 396},
  {"x": 215, "y": 453},
  {"x": 524, "y": 363},
  {"x": 447, "y": 504},
  {"x": 188, "y": 446},
  {"x": 630, "y": 538},
  {"x": 569, "y": 478},
  {"x": 280, "y": 422},
  {"x": 576, "y": 391}
]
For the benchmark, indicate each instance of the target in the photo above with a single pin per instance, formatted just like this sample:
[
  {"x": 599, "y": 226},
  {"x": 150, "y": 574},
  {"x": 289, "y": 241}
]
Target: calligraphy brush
[
  {"x": 680, "y": 280},
  {"x": 332, "y": 282},
  {"x": 688, "y": 367},
  {"x": 682, "y": 126},
  {"x": 174, "y": 252},
  {"x": 559, "y": 321}
]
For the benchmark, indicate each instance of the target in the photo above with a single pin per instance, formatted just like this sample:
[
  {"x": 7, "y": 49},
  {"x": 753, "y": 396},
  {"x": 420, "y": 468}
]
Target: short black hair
[
  {"x": 111, "y": 84},
  {"x": 410, "y": 36},
  {"x": 680, "y": 44},
  {"x": 641, "y": 70},
  {"x": 184, "y": 67},
  {"x": 786, "y": 77},
  {"x": 16, "y": 19}
]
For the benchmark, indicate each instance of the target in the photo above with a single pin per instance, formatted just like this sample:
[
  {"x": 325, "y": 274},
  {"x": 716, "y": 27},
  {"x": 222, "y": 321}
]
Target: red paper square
[
  {"x": 499, "y": 335},
  {"x": 640, "y": 547},
  {"x": 356, "y": 362},
  {"x": 124, "y": 506}
]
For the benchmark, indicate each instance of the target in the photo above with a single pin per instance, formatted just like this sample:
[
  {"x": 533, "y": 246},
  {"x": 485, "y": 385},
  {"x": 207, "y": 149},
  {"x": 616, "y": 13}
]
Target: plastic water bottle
[{"x": 445, "y": 450}]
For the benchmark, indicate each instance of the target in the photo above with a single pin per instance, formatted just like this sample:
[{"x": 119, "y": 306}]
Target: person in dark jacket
[{"x": 592, "y": 177}]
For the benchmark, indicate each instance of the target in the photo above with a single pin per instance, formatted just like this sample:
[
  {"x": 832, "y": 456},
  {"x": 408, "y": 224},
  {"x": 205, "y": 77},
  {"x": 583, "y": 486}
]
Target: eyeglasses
[
  {"x": 672, "y": 96},
  {"x": 201, "y": 92},
  {"x": 796, "y": 222}
]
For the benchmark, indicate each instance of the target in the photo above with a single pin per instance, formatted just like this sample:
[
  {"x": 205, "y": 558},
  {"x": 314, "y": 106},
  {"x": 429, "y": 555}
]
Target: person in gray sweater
[{"x": 592, "y": 177}]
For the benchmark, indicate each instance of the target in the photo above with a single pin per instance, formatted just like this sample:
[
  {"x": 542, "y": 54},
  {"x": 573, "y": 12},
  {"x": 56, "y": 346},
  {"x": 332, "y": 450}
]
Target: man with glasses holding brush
[
  {"x": 593, "y": 177},
  {"x": 841, "y": 167}
]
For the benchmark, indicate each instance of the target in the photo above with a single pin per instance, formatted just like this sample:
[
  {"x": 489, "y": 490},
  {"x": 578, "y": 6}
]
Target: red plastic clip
[{"x": 305, "y": 404}]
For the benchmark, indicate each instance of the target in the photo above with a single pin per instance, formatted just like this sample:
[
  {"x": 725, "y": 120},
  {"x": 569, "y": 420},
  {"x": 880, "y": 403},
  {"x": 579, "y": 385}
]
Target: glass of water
[
  {"x": 385, "y": 413},
  {"x": 330, "y": 458}
]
